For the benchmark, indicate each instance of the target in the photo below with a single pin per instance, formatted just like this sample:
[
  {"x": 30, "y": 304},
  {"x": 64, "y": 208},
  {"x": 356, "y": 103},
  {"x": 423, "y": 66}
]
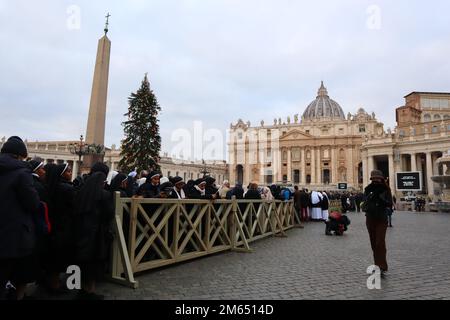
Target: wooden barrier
[
  {"x": 335, "y": 204},
  {"x": 152, "y": 233}
]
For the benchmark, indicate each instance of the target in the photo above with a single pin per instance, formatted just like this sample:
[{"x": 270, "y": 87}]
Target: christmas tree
[{"x": 142, "y": 143}]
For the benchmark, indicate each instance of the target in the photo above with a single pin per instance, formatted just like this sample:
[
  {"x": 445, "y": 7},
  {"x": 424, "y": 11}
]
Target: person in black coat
[
  {"x": 378, "y": 201},
  {"x": 61, "y": 205},
  {"x": 19, "y": 202},
  {"x": 253, "y": 193},
  {"x": 238, "y": 192},
  {"x": 210, "y": 187},
  {"x": 119, "y": 184},
  {"x": 151, "y": 188},
  {"x": 199, "y": 191},
  {"x": 94, "y": 212}
]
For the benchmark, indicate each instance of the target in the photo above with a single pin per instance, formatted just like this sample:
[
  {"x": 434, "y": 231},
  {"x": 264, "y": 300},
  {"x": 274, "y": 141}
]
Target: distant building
[
  {"x": 421, "y": 137},
  {"x": 320, "y": 150},
  {"x": 58, "y": 152}
]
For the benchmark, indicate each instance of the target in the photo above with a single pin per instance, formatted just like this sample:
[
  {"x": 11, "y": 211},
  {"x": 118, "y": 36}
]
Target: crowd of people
[{"x": 49, "y": 222}]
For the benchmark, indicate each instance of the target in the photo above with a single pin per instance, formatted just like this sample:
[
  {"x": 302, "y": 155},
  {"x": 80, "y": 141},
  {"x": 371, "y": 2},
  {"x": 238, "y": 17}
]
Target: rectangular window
[{"x": 362, "y": 128}]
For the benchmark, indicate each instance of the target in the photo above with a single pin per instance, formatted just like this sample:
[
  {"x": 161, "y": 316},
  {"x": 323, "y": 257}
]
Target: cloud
[{"x": 215, "y": 61}]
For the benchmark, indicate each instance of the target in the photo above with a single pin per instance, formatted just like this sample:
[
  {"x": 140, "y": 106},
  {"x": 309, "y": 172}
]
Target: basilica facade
[{"x": 319, "y": 150}]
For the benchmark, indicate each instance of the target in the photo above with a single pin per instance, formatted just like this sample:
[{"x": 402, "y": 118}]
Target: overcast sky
[{"x": 215, "y": 61}]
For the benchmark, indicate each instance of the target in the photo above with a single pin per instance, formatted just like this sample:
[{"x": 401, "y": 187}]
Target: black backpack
[{"x": 374, "y": 205}]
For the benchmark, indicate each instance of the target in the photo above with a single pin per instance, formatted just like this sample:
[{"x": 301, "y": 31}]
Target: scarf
[
  {"x": 180, "y": 195},
  {"x": 202, "y": 192}
]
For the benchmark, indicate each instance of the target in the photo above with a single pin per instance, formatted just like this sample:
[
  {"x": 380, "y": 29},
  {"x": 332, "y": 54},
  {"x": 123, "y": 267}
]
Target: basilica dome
[{"x": 323, "y": 107}]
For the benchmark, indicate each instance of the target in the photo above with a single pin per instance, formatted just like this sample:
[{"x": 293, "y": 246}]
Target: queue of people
[{"x": 48, "y": 223}]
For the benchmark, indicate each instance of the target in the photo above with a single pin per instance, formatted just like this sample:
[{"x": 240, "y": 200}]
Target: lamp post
[
  {"x": 205, "y": 170},
  {"x": 81, "y": 149},
  {"x": 78, "y": 149}
]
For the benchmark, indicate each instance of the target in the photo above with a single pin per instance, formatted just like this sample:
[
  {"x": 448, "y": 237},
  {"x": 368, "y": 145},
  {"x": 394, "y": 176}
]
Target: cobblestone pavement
[{"x": 309, "y": 265}]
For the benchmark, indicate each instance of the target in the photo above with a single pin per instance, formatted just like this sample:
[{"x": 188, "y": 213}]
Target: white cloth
[
  {"x": 316, "y": 213},
  {"x": 325, "y": 213},
  {"x": 132, "y": 174},
  {"x": 202, "y": 192},
  {"x": 316, "y": 197},
  {"x": 181, "y": 195},
  {"x": 111, "y": 176},
  {"x": 141, "y": 181},
  {"x": 267, "y": 194}
]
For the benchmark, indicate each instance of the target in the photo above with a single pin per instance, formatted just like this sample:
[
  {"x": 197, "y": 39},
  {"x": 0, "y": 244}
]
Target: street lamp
[
  {"x": 81, "y": 149},
  {"x": 205, "y": 170}
]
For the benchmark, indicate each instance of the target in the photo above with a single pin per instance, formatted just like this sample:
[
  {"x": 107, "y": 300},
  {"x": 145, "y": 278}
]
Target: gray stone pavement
[{"x": 309, "y": 265}]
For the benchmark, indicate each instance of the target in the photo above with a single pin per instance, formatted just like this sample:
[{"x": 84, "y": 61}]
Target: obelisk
[{"x": 97, "y": 109}]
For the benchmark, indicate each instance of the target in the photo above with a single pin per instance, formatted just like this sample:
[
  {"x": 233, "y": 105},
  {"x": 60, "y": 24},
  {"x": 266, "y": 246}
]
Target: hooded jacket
[{"x": 19, "y": 201}]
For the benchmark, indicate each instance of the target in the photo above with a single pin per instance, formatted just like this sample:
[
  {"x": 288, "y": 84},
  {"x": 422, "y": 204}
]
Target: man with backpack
[{"x": 378, "y": 202}]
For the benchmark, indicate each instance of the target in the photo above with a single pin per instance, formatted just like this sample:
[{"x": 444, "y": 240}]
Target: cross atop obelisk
[
  {"x": 97, "y": 110},
  {"x": 107, "y": 23}
]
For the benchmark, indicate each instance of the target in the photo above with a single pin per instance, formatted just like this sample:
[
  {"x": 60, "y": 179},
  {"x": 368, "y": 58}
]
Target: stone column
[
  {"x": 435, "y": 165},
  {"x": 333, "y": 166},
  {"x": 113, "y": 166},
  {"x": 413, "y": 162},
  {"x": 279, "y": 165},
  {"x": 365, "y": 170},
  {"x": 318, "y": 167},
  {"x": 289, "y": 165},
  {"x": 370, "y": 166},
  {"x": 392, "y": 173},
  {"x": 313, "y": 166},
  {"x": 303, "y": 173},
  {"x": 430, "y": 182},
  {"x": 75, "y": 170},
  {"x": 350, "y": 167}
]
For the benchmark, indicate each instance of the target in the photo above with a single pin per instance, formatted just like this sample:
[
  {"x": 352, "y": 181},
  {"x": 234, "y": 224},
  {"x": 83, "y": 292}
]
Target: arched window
[
  {"x": 435, "y": 129},
  {"x": 427, "y": 118},
  {"x": 447, "y": 117},
  {"x": 437, "y": 117}
]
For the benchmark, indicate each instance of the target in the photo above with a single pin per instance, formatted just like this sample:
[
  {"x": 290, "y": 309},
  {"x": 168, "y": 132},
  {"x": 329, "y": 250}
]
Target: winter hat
[
  {"x": 15, "y": 146},
  {"x": 166, "y": 187},
  {"x": 100, "y": 167},
  {"x": 200, "y": 182},
  {"x": 132, "y": 174},
  {"x": 210, "y": 180},
  {"x": 376, "y": 174},
  {"x": 153, "y": 174},
  {"x": 36, "y": 165},
  {"x": 177, "y": 180}
]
